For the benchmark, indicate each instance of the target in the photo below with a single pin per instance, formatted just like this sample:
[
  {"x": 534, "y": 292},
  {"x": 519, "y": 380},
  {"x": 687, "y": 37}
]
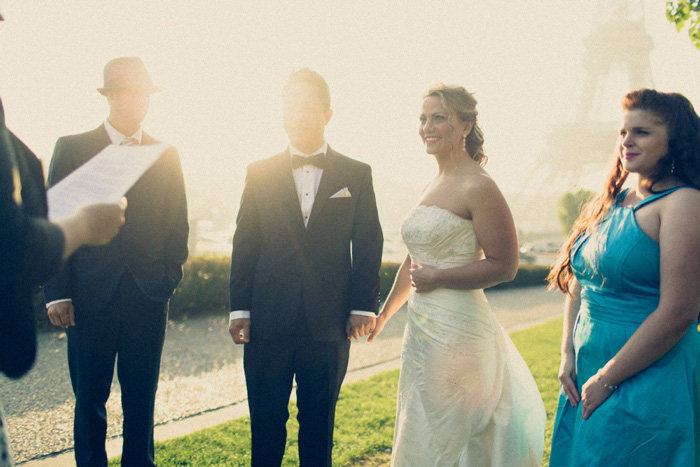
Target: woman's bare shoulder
[
  {"x": 682, "y": 204},
  {"x": 685, "y": 194},
  {"x": 479, "y": 184}
]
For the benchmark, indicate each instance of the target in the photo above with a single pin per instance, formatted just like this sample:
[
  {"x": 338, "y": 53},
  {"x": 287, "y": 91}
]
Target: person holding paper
[
  {"x": 113, "y": 299},
  {"x": 32, "y": 249},
  {"x": 304, "y": 276}
]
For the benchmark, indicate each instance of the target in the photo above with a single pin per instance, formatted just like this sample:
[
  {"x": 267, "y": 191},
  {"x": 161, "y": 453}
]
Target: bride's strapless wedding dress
[{"x": 466, "y": 397}]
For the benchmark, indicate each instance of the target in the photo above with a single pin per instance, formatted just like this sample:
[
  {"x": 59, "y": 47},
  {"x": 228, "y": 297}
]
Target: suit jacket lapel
[
  {"x": 100, "y": 138},
  {"x": 96, "y": 141},
  {"x": 331, "y": 172},
  {"x": 287, "y": 189}
]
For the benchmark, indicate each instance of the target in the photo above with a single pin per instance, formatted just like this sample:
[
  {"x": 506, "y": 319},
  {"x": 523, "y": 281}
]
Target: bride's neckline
[{"x": 428, "y": 206}]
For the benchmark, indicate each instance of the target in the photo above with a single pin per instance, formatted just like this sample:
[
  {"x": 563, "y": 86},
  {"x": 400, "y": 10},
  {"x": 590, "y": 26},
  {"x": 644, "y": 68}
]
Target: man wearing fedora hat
[{"x": 113, "y": 299}]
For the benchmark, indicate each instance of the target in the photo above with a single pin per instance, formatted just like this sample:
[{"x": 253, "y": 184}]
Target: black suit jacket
[
  {"x": 152, "y": 243},
  {"x": 279, "y": 268},
  {"x": 30, "y": 250}
]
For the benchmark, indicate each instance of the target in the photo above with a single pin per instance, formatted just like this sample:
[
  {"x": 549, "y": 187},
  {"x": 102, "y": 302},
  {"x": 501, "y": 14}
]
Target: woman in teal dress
[{"x": 630, "y": 367}]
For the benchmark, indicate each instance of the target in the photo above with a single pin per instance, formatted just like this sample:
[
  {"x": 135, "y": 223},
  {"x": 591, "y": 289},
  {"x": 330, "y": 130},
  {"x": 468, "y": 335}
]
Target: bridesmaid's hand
[
  {"x": 567, "y": 377},
  {"x": 423, "y": 278},
  {"x": 593, "y": 394}
]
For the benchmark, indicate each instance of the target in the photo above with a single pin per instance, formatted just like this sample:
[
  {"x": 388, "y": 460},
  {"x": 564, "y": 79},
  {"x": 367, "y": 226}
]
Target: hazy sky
[{"x": 222, "y": 64}]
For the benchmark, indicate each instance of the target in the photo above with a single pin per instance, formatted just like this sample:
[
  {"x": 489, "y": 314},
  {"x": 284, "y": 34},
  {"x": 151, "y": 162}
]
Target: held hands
[
  {"x": 567, "y": 377},
  {"x": 61, "y": 314},
  {"x": 379, "y": 325},
  {"x": 240, "y": 330},
  {"x": 423, "y": 278},
  {"x": 359, "y": 325},
  {"x": 593, "y": 393}
]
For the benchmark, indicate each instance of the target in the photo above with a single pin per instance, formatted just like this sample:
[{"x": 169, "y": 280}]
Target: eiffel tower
[{"x": 583, "y": 144}]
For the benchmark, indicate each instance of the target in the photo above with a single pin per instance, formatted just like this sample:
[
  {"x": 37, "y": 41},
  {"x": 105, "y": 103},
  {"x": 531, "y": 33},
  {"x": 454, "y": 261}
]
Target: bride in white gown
[{"x": 466, "y": 397}]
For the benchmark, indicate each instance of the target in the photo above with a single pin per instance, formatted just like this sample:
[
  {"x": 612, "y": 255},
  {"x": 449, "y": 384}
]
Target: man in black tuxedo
[
  {"x": 113, "y": 299},
  {"x": 304, "y": 276}
]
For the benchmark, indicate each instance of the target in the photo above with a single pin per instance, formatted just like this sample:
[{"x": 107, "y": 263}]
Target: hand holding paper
[
  {"x": 94, "y": 224},
  {"x": 103, "y": 179}
]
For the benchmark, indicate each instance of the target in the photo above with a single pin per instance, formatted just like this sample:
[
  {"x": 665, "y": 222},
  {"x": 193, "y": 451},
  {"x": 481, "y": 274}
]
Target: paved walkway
[{"x": 201, "y": 382}]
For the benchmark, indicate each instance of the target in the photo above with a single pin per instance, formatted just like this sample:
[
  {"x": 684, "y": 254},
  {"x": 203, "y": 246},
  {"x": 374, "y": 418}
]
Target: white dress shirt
[
  {"x": 116, "y": 138},
  {"x": 307, "y": 180}
]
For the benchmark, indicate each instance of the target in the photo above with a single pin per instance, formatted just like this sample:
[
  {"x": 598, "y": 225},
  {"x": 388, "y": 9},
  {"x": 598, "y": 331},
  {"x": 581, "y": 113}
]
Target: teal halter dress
[{"x": 653, "y": 418}]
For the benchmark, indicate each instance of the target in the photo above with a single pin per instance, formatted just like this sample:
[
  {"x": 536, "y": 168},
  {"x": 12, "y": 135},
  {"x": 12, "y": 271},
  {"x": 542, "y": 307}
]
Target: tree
[
  {"x": 681, "y": 12},
  {"x": 569, "y": 207}
]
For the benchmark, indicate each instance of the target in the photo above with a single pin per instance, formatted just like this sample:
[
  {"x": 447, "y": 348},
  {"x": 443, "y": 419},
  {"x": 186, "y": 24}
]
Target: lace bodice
[{"x": 439, "y": 238}]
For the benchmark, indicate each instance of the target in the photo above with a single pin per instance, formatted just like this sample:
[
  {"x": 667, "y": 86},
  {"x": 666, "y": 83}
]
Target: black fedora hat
[{"x": 125, "y": 72}]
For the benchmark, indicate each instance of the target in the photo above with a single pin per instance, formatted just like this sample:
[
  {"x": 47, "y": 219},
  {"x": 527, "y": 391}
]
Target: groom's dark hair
[{"x": 310, "y": 77}]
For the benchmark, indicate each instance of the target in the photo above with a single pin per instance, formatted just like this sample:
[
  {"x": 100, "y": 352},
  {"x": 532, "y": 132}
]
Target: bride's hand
[
  {"x": 423, "y": 278},
  {"x": 378, "y": 326}
]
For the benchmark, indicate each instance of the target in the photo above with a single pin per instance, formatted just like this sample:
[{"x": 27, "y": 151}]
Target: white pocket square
[{"x": 344, "y": 193}]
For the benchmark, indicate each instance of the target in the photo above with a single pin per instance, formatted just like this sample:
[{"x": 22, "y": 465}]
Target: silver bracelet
[{"x": 606, "y": 385}]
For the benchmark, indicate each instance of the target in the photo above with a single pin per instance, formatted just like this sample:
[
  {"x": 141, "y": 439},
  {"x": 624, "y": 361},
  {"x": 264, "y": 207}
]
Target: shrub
[
  {"x": 387, "y": 273},
  {"x": 527, "y": 275},
  {"x": 203, "y": 288}
]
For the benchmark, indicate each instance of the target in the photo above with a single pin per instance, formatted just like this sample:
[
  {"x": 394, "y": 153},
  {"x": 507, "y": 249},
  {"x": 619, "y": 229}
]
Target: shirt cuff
[
  {"x": 238, "y": 314},
  {"x": 58, "y": 301},
  {"x": 363, "y": 313}
]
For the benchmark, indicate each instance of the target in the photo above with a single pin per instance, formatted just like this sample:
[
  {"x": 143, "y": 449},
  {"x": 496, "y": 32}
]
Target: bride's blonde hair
[{"x": 458, "y": 100}]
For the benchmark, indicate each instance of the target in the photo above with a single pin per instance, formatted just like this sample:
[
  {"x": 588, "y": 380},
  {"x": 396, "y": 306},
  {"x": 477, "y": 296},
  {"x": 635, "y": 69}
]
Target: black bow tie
[{"x": 318, "y": 160}]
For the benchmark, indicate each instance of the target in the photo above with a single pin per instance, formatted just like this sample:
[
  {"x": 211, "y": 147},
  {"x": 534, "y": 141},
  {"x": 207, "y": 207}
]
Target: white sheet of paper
[{"x": 103, "y": 179}]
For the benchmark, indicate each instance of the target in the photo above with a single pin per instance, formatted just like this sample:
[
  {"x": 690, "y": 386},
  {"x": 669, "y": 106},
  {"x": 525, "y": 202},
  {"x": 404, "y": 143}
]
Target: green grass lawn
[{"x": 364, "y": 416}]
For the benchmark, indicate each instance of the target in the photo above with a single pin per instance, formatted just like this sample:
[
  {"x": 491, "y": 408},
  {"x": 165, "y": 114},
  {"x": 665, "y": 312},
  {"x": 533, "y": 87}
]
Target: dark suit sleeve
[
  {"x": 246, "y": 247},
  {"x": 176, "y": 226},
  {"x": 30, "y": 250},
  {"x": 61, "y": 165},
  {"x": 367, "y": 243},
  {"x": 31, "y": 246},
  {"x": 43, "y": 252}
]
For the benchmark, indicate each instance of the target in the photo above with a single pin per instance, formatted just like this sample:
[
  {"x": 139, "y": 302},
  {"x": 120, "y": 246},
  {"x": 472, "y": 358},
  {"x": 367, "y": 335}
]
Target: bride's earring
[{"x": 465, "y": 143}]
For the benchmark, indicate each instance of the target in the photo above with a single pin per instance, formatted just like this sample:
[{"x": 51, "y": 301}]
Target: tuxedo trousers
[
  {"x": 270, "y": 368},
  {"x": 130, "y": 329}
]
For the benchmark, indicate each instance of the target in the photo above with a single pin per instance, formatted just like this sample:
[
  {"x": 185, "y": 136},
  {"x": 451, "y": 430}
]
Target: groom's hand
[
  {"x": 239, "y": 330},
  {"x": 359, "y": 325},
  {"x": 61, "y": 314}
]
